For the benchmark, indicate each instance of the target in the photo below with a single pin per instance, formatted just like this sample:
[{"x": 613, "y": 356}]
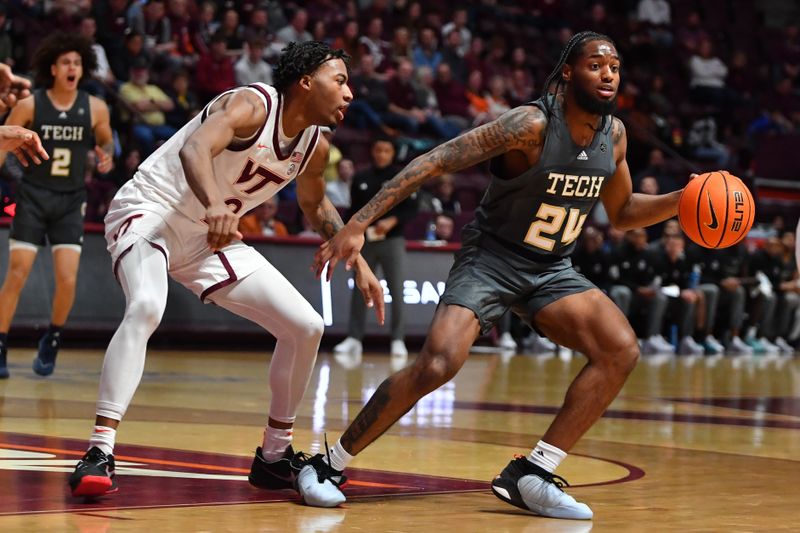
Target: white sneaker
[
  {"x": 768, "y": 346},
  {"x": 506, "y": 342},
  {"x": 738, "y": 347},
  {"x": 398, "y": 348},
  {"x": 689, "y": 346},
  {"x": 538, "y": 344},
  {"x": 656, "y": 344},
  {"x": 783, "y": 346},
  {"x": 531, "y": 487},
  {"x": 712, "y": 345},
  {"x": 319, "y": 484},
  {"x": 664, "y": 344},
  {"x": 349, "y": 345}
]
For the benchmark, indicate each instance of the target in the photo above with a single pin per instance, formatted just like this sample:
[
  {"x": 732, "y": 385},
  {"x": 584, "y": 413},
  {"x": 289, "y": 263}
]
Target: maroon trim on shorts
[
  {"x": 116, "y": 263},
  {"x": 276, "y": 146},
  {"x": 232, "y": 278}
]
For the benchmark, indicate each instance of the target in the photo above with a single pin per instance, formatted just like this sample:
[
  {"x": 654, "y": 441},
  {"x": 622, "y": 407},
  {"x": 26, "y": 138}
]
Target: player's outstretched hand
[
  {"x": 12, "y": 88},
  {"x": 371, "y": 289},
  {"x": 23, "y": 143},
  {"x": 345, "y": 245},
  {"x": 223, "y": 226}
]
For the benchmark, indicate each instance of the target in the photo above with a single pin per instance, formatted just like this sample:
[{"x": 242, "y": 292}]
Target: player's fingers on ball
[{"x": 332, "y": 262}]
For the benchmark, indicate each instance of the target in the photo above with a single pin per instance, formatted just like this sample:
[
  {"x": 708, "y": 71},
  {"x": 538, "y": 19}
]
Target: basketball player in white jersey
[{"x": 179, "y": 215}]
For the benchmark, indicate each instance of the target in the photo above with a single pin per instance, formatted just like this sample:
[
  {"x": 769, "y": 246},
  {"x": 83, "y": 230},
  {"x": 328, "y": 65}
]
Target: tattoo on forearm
[
  {"x": 330, "y": 222},
  {"x": 520, "y": 129}
]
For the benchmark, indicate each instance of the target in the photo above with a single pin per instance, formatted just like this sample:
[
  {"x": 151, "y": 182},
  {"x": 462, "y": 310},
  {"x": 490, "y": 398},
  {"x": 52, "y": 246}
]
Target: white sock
[
  {"x": 339, "y": 457},
  {"x": 275, "y": 442},
  {"x": 103, "y": 437},
  {"x": 547, "y": 456}
]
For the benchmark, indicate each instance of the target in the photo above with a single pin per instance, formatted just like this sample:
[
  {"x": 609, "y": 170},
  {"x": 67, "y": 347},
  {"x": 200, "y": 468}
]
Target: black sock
[
  {"x": 54, "y": 331},
  {"x": 3, "y": 341}
]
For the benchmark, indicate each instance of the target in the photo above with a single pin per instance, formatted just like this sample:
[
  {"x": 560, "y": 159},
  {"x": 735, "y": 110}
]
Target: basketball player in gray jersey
[
  {"x": 51, "y": 199},
  {"x": 551, "y": 161}
]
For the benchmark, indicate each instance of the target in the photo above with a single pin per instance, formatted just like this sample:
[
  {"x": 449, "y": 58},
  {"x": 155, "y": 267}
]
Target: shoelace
[{"x": 550, "y": 477}]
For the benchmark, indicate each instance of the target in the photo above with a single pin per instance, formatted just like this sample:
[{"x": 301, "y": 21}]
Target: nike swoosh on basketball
[{"x": 714, "y": 222}]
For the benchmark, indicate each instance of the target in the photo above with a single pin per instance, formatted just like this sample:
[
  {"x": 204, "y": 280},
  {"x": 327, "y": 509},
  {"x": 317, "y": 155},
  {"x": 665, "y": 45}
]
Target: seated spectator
[
  {"x": 636, "y": 271},
  {"x": 231, "y": 30},
  {"x": 214, "y": 73},
  {"x": 444, "y": 200},
  {"x": 132, "y": 51},
  {"x": 478, "y": 105},
  {"x": 691, "y": 34},
  {"x": 102, "y": 75},
  {"x": 184, "y": 100},
  {"x": 496, "y": 98},
  {"x": 676, "y": 272},
  {"x": 649, "y": 185},
  {"x": 349, "y": 42},
  {"x": 149, "y": 104},
  {"x": 426, "y": 53},
  {"x": 708, "y": 73},
  {"x": 262, "y": 221},
  {"x": 722, "y": 274},
  {"x": 459, "y": 25},
  {"x": 338, "y": 190},
  {"x": 452, "y": 56},
  {"x": 520, "y": 89},
  {"x": 181, "y": 26},
  {"x": 295, "y": 31},
  {"x": 372, "y": 43},
  {"x": 400, "y": 46},
  {"x": 705, "y": 145},
  {"x": 452, "y": 97},
  {"x": 656, "y": 15},
  {"x": 251, "y": 67},
  {"x": 774, "y": 306},
  {"x": 370, "y": 105}
]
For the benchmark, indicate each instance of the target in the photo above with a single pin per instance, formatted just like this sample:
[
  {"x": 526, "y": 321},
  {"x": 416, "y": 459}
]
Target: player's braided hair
[
  {"x": 574, "y": 48},
  {"x": 299, "y": 59},
  {"x": 55, "y": 45}
]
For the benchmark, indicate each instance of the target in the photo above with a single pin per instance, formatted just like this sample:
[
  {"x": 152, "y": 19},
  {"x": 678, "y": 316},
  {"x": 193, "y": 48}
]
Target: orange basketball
[{"x": 716, "y": 209}]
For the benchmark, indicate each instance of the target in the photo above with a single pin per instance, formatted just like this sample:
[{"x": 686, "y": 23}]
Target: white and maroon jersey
[{"x": 247, "y": 172}]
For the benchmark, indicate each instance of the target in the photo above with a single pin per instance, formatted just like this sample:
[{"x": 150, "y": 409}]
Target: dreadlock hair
[
  {"x": 573, "y": 48},
  {"x": 299, "y": 59},
  {"x": 55, "y": 45}
]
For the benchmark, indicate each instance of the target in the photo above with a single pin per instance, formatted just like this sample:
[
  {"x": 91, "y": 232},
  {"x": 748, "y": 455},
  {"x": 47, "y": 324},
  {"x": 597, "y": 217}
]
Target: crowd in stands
[{"x": 706, "y": 85}]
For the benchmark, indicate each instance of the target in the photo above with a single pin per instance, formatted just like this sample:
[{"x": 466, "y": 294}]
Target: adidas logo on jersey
[
  {"x": 62, "y": 115},
  {"x": 582, "y": 156}
]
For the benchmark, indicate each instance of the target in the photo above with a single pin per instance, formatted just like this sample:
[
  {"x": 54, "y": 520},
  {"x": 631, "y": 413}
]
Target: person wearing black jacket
[
  {"x": 385, "y": 246},
  {"x": 634, "y": 266}
]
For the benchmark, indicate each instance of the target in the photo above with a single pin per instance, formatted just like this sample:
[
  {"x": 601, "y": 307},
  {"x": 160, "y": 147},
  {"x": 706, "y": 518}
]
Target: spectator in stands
[
  {"x": 133, "y": 51},
  {"x": 263, "y": 221},
  {"x": 156, "y": 29},
  {"x": 149, "y": 103},
  {"x": 444, "y": 200},
  {"x": 785, "y": 100},
  {"x": 443, "y": 229},
  {"x": 520, "y": 89},
  {"x": 400, "y": 46},
  {"x": 637, "y": 272},
  {"x": 231, "y": 30},
  {"x": 127, "y": 165},
  {"x": 725, "y": 270},
  {"x": 338, "y": 189},
  {"x": 372, "y": 43},
  {"x": 184, "y": 101},
  {"x": 296, "y": 30},
  {"x": 407, "y": 112},
  {"x": 251, "y": 67},
  {"x": 777, "y": 305},
  {"x": 204, "y": 26},
  {"x": 478, "y": 104},
  {"x": 370, "y": 105},
  {"x": 459, "y": 25},
  {"x": 451, "y": 96},
  {"x": 349, "y": 42},
  {"x": 705, "y": 145},
  {"x": 451, "y": 56},
  {"x": 496, "y": 97},
  {"x": 180, "y": 21},
  {"x": 657, "y": 17},
  {"x": 691, "y": 34},
  {"x": 385, "y": 246},
  {"x": 675, "y": 270},
  {"x": 427, "y": 53},
  {"x": 214, "y": 73},
  {"x": 102, "y": 75},
  {"x": 258, "y": 28},
  {"x": 6, "y": 45},
  {"x": 649, "y": 185},
  {"x": 474, "y": 58},
  {"x": 708, "y": 73}
]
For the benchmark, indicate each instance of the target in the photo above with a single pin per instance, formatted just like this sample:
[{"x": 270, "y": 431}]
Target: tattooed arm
[
  {"x": 627, "y": 210},
  {"x": 239, "y": 114},
  {"x": 521, "y": 129},
  {"x": 325, "y": 220}
]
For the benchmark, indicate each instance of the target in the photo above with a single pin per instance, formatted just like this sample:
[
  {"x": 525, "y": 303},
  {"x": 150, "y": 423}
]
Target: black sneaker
[
  {"x": 528, "y": 486},
  {"x": 278, "y": 475},
  {"x": 94, "y": 474},
  {"x": 45, "y": 361}
]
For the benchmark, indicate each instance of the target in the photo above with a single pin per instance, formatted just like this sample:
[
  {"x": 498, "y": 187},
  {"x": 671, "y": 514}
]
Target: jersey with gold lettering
[
  {"x": 247, "y": 172},
  {"x": 67, "y": 136},
  {"x": 541, "y": 211}
]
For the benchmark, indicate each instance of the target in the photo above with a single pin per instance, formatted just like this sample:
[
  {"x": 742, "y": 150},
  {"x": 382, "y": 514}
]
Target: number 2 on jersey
[
  {"x": 550, "y": 220},
  {"x": 61, "y": 160}
]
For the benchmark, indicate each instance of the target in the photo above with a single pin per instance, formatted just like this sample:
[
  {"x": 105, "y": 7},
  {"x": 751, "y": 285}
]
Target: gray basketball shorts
[{"x": 490, "y": 282}]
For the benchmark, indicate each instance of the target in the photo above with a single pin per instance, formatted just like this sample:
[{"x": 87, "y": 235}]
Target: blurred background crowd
[{"x": 706, "y": 85}]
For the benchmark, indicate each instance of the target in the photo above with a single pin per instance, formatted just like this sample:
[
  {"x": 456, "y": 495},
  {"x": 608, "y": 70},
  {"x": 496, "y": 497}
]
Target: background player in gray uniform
[
  {"x": 551, "y": 161},
  {"x": 51, "y": 198}
]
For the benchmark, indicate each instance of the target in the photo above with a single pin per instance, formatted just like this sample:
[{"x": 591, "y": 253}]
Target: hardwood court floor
[{"x": 690, "y": 445}]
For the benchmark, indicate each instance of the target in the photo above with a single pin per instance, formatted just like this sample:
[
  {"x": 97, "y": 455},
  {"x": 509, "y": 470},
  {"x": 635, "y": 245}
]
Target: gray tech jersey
[
  {"x": 67, "y": 136},
  {"x": 540, "y": 213}
]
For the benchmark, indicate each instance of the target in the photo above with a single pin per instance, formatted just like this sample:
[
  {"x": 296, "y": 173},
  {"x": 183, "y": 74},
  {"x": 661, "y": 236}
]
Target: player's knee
[
  {"x": 16, "y": 277},
  {"x": 628, "y": 355},
  {"x": 314, "y": 327},
  {"x": 436, "y": 369},
  {"x": 145, "y": 312}
]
